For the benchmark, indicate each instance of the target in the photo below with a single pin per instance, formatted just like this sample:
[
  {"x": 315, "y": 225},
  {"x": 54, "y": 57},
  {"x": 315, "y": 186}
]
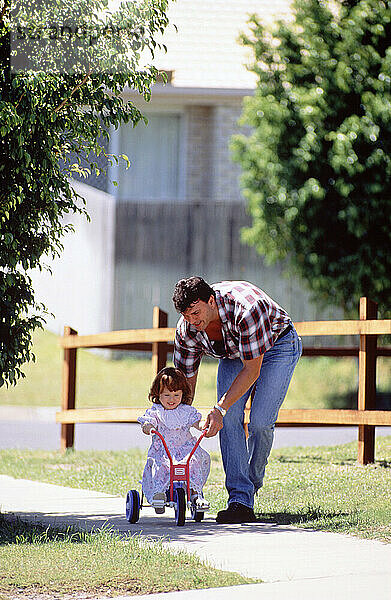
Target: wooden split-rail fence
[{"x": 160, "y": 338}]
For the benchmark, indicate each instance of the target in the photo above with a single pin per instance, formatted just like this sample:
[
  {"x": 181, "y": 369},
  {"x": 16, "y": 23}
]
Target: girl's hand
[
  {"x": 199, "y": 425},
  {"x": 146, "y": 428}
]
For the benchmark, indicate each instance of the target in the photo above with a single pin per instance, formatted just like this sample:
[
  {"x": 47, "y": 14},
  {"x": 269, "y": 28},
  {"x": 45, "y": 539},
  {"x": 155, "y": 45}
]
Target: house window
[{"x": 154, "y": 154}]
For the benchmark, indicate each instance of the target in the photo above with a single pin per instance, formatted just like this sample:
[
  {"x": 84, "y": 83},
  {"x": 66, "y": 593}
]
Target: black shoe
[{"x": 236, "y": 513}]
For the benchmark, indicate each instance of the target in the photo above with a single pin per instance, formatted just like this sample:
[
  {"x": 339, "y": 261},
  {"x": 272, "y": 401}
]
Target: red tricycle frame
[{"x": 179, "y": 471}]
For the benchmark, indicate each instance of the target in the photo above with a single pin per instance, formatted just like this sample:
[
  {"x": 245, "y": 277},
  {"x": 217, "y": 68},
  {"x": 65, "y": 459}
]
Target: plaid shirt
[{"x": 250, "y": 323}]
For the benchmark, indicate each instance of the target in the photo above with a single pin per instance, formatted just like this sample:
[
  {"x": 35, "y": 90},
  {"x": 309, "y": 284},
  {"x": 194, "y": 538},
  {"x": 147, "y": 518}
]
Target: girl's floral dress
[{"x": 174, "y": 425}]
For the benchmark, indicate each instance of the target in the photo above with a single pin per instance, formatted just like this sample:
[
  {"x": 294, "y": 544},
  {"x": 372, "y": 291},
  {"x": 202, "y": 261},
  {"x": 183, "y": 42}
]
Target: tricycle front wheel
[{"x": 180, "y": 508}]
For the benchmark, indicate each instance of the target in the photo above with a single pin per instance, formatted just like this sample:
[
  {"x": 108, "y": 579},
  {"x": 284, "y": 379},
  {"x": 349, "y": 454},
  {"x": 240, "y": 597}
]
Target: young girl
[{"x": 172, "y": 415}]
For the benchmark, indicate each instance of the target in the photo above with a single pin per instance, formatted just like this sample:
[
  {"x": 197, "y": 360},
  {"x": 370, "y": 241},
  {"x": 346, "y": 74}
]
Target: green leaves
[
  {"x": 316, "y": 165},
  {"x": 49, "y": 113}
]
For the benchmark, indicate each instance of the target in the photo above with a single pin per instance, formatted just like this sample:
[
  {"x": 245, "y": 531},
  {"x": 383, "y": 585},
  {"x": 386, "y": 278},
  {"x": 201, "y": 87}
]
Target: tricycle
[{"x": 178, "y": 495}]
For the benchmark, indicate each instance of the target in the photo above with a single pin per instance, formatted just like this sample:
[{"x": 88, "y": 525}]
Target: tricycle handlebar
[{"x": 154, "y": 431}]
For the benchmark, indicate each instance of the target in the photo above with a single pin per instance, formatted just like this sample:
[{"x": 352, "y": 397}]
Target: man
[{"x": 258, "y": 349}]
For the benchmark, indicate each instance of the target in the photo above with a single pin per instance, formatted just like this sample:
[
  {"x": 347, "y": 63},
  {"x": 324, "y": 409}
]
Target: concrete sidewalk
[{"x": 294, "y": 563}]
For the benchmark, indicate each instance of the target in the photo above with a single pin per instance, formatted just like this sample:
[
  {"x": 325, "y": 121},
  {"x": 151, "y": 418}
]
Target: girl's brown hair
[{"x": 172, "y": 379}]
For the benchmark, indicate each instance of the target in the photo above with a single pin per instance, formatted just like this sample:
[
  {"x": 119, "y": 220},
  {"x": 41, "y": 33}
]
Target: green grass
[
  {"x": 39, "y": 560},
  {"x": 322, "y": 488},
  {"x": 316, "y": 380}
]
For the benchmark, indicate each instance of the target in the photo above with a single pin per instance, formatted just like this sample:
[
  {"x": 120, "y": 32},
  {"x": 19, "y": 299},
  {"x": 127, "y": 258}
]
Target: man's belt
[{"x": 285, "y": 331}]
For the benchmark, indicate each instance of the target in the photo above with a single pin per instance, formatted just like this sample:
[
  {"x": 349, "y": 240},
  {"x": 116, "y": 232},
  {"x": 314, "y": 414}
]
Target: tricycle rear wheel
[
  {"x": 197, "y": 515},
  {"x": 133, "y": 506}
]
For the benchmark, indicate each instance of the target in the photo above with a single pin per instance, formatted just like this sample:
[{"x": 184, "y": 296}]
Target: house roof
[{"x": 205, "y": 52}]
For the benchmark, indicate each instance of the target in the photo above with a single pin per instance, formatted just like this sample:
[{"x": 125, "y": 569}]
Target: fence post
[
  {"x": 68, "y": 391},
  {"x": 159, "y": 349},
  {"x": 367, "y": 383}
]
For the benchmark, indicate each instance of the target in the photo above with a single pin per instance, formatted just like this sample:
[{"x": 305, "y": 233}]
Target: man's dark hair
[{"x": 188, "y": 291}]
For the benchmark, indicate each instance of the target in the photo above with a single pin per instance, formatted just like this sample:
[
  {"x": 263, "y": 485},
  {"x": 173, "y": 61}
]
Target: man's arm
[
  {"x": 244, "y": 380},
  {"x": 192, "y": 381},
  {"x": 187, "y": 355}
]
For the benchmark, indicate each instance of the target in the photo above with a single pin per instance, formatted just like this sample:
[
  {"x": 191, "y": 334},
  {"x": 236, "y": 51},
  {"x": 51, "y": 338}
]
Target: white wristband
[{"x": 220, "y": 409}]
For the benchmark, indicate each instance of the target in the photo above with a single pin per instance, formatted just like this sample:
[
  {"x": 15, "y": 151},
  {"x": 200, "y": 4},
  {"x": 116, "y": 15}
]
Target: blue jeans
[{"x": 245, "y": 460}]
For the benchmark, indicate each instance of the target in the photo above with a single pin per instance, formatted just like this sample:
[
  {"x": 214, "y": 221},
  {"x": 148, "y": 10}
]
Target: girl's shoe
[{"x": 201, "y": 503}]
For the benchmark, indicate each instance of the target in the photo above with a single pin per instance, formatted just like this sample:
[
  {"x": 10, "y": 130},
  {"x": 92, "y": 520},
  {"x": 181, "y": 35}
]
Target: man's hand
[
  {"x": 213, "y": 423},
  {"x": 146, "y": 428}
]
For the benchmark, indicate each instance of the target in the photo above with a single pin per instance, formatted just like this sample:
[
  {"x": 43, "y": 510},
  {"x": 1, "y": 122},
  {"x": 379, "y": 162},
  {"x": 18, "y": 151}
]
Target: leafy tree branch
[
  {"x": 316, "y": 165},
  {"x": 63, "y": 69},
  {"x": 79, "y": 85}
]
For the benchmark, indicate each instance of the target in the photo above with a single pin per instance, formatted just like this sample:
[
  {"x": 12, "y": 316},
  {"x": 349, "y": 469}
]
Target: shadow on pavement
[
  {"x": 153, "y": 527},
  {"x": 286, "y": 518}
]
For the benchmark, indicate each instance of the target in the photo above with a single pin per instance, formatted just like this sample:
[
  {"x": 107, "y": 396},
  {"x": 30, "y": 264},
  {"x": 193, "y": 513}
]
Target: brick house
[{"x": 178, "y": 210}]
